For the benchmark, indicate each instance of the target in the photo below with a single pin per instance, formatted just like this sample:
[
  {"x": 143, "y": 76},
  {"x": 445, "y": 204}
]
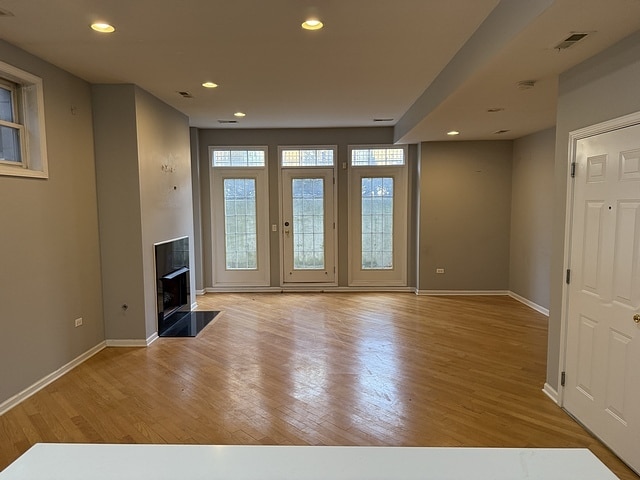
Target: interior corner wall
[
  {"x": 602, "y": 88},
  {"x": 465, "y": 213},
  {"x": 49, "y": 246},
  {"x": 531, "y": 216},
  {"x": 194, "y": 135},
  {"x": 164, "y": 163}
]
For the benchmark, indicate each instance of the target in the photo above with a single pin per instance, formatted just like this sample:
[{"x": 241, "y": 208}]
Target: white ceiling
[{"x": 430, "y": 65}]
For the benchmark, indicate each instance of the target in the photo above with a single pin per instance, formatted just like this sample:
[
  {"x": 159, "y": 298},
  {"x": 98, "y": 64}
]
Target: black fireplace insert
[{"x": 172, "y": 281}]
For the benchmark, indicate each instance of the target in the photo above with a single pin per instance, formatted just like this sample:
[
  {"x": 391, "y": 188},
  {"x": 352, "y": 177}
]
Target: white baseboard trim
[
  {"x": 194, "y": 305},
  {"x": 201, "y": 292},
  {"x": 301, "y": 288},
  {"x": 551, "y": 392},
  {"x": 126, "y": 343},
  {"x": 241, "y": 289},
  {"x": 529, "y": 303},
  {"x": 52, "y": 377},
  {"x": 462, "y": 292},
  {"x": 152, "y": 338},
  {"x": 372, "y": 288}
]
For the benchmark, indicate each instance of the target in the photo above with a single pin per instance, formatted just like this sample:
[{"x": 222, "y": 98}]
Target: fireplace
[{"x": 172, "y": 280}]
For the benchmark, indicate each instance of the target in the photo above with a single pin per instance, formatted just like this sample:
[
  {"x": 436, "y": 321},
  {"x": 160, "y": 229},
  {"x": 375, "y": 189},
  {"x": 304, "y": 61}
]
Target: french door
[{"x": 308, "y": 225}]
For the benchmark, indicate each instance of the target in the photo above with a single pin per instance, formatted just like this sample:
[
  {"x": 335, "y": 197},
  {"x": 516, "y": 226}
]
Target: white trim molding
[
  {"x": 132, "y": 342},
  {"x": 52, "y": 377},
  {"x": 529, "y": 303},
  {"x": 551, "y": 392},
  {"x": 462, "y": 292}
]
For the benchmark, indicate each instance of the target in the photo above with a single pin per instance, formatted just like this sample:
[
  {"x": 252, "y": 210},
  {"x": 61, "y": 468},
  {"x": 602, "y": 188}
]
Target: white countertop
[{"x": 211, "y": 462}]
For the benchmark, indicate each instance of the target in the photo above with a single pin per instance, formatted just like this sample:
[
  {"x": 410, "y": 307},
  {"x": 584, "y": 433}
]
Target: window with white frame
[
  {"x": 378, "y": 215},
  {"x": 239, "y": 206},
  {"x": 22, "y": 135}
]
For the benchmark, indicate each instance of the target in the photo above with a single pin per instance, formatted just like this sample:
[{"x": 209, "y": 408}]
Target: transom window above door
[
  {"x": 307, "y": 156},
  {"x": 377, "y": 156},
  {"x": 238, "y": 156}
]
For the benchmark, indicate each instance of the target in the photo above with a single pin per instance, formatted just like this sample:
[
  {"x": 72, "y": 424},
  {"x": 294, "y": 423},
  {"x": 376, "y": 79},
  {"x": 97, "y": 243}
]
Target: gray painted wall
[
  {"x": 116, "y": 147},
  {"x": 599, "y": 89},
  {"x": 165, "y": 196},
  {"x": 465, "y": 198},
  {"x": 531, "y": 216},
  {"x": 141, "y": 203},
  {"x": 342, "y": 137},
  {"x": 197, "y": 212},
  {"x": 49, "y": 248}
]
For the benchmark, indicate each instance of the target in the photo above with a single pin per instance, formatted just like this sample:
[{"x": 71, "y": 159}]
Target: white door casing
[{"x": 602, "y": 356}]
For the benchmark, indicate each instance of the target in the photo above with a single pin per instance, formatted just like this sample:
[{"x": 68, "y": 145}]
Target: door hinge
[
  {"x": 568, "y": 279},
  {"x": 563, "y": 379},
  {"x": 573, "y": 169}
]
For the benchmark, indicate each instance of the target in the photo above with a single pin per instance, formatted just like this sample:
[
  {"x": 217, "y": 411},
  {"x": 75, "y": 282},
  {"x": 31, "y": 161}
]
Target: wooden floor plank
[{"x": 318, "y": 369}]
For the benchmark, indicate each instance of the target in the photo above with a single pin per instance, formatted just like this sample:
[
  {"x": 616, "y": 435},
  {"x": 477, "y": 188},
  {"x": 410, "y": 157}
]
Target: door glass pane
[
  {"x": 377, "y": 223},
  {"x": 308, "y": 223},
  {"x": 240, "y": 231}
]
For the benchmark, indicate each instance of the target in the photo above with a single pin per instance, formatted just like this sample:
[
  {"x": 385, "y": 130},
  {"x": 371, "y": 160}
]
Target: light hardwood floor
[{"x": 318, "y": 369}]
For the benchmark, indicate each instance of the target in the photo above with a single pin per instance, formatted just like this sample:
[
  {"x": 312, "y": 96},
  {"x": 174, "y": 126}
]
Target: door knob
[{"x": 636, "y": 318}]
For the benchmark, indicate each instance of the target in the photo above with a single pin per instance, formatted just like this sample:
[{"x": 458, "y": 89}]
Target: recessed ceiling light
[
  {"x": 209, "y": 85},
  {"x": 495, "y": 110},
  {"x": 312, "y": 24},
  {"x": 239, "y": 114},
  {"x": 103, "y": 27},
  {"x": 453, "y": 132}
]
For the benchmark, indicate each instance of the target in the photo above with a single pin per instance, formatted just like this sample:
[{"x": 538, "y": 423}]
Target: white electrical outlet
[
  {"x": 78, "y": 322},
  {"x": 439, "y": 270}
]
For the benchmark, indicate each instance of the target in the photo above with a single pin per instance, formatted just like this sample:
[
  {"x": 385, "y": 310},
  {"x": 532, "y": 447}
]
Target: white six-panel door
[{"x": 603, "y": 338}]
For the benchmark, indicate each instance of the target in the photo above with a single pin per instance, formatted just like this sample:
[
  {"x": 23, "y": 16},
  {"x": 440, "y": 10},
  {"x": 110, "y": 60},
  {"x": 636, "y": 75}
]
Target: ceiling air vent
[
  {"x": 570, "y": 41},
  {"x": 185, "y": 94},
  {"x": 500, "y": 132},
  {"x": 227, "y": 121},
  {"x": 378, "y": 120}
]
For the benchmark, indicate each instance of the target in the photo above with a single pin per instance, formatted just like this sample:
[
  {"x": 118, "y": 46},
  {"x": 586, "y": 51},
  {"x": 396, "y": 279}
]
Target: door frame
[
  {"x": 307, "y": 286},
  {"x": 574, "y": 136}
]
